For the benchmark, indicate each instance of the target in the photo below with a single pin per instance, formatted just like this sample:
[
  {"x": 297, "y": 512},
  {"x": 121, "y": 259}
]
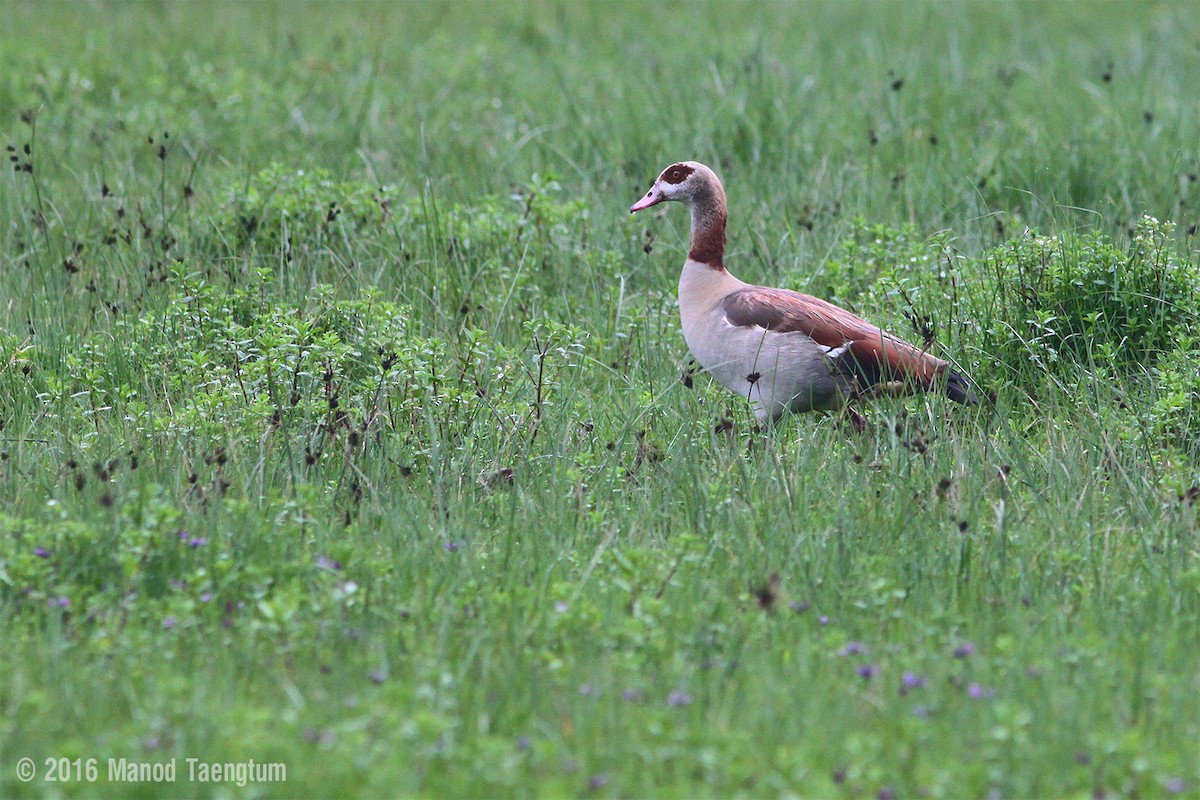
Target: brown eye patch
[{"x": 676, "y": 173}]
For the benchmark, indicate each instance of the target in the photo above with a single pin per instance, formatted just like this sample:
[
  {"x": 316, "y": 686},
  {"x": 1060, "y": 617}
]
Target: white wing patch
[
  {"x": 755, "y": 328},
  {"x": 834, "y": 353}
]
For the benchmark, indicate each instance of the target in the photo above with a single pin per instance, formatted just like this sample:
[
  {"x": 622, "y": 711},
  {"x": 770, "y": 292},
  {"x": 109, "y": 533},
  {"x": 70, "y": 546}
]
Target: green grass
[{"x": 342, "y": 421}]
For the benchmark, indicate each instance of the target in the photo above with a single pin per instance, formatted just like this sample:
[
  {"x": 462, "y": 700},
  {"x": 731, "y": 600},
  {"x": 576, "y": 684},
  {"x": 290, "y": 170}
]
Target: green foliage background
[{"x": 343, "y": 421}]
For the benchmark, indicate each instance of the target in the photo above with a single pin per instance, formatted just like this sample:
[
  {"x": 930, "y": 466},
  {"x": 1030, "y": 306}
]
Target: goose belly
[{"x": 776, "y": 372}]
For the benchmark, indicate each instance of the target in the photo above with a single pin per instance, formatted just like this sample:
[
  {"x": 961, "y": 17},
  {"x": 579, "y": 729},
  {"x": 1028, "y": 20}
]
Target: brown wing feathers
[{"x": 874, "y": 355}]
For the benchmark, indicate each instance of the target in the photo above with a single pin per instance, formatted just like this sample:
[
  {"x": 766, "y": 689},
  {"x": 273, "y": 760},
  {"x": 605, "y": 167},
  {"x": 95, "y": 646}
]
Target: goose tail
[{"x": 958, "y": 389}]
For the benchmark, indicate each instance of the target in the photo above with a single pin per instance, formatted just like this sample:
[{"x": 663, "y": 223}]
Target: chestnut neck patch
[
  {"x": 708, "y": 233},
  {"x": 676, "y": 173},
  {"x": 708, "y": 242}
]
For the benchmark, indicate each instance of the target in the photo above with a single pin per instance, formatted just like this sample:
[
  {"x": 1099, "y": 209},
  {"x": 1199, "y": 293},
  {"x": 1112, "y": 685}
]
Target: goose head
[{"x": 685, "y": 181}]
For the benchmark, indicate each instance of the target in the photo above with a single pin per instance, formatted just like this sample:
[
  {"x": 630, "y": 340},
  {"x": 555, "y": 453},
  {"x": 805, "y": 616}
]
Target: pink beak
[{"x": 653, "y": 197}]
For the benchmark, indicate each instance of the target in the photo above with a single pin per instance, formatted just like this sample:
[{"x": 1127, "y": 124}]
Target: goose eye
[{"x": 677, "y": 174}]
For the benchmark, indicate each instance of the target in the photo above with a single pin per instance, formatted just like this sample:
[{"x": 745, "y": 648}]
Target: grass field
[{"x": 343, "y": 421}]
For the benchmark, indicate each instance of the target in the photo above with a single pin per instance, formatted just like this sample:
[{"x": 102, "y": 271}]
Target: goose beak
[{"x": 653, "y": 197}]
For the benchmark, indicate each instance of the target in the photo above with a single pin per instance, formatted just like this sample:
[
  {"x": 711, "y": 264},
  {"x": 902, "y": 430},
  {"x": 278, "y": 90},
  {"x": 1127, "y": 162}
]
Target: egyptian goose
[{"x": 782, "y": 350}]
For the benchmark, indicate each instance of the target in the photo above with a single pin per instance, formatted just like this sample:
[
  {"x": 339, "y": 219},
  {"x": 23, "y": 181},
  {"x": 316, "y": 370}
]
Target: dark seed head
[{"x": 768, "y": 593}]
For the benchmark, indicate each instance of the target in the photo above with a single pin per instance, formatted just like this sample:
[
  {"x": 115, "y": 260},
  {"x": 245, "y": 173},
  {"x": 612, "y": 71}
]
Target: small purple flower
[
  {"x": 328, "y": 563},
  {"x": 170, "y": 622},
  {"x": 633, "y": 695},
  {"x": 854, "y": 649},
  {"x": 824, "y": 620},
  {"x": 799, "y": 607},
  {"x": 192, "y": 541},
  {"x": 678, "y": 698},
  {"x": 377, "y": 676},
  {"x": 452, "y": 545},
  {"x": 597, "y": 781},
  {"x": 911, "y": 680},
  {"x": 41, "y": 552},
  {"x": 976, "y": 691},
  {"x": 963, "y": 650},
  {"x": 204, "y": 598},
  {"x": 561, "y": 606},
  {"x": 868, "y": 671},
  {"x": 62, "y": 601},
  {"x": 886, "y": 793},
  {"x": 1174, "y": 785},
  {"x": 524, "y": 742}
]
